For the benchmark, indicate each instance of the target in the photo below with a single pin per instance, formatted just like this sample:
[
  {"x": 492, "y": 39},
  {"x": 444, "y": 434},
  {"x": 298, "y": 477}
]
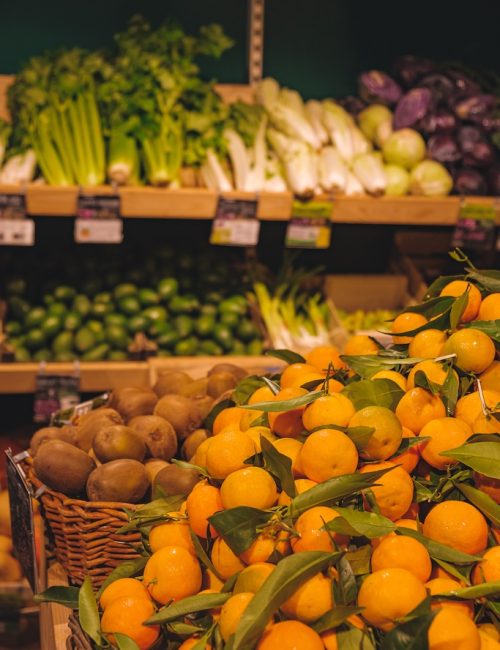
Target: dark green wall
[{"x": 318, "y": 46}]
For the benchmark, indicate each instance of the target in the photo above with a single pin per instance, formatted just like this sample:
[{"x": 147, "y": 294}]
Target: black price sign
[
  {"x": 54, "y": 393},
  {"x": 12, "y": 206},
  {"x": 235, "y": 223},
  {"x": 15, "y": 229},
  {"x": 475, "y": 229},
  {"x": 22, "y": 516},
  {"x": 98, "y": 219}
]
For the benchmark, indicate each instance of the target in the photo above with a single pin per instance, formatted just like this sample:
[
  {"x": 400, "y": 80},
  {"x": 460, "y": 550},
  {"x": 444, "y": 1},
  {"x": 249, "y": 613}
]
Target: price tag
[
  {"x": 475, "y": 229},
  {"x": 54, "y": 393},
  {"x": 15, "y": 229},
  {"x": 98, "y": 219},
  {"x": 69, "y": 415},
  {"x": 23, "y": 521},
  {"x": 12, "y": 206},
  {"x": 235, "y": 223},
  {"x": 309, "y": 225}
]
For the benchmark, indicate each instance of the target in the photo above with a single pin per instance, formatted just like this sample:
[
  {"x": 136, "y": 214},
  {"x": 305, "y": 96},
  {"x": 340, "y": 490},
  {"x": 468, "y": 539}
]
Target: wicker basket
[{"x": 85, "y": 533}]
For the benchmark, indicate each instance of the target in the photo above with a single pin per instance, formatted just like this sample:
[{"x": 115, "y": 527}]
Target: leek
[{"x": 214, "y": 175}]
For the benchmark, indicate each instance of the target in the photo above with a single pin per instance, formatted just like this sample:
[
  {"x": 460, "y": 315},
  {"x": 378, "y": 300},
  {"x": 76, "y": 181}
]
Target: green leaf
[
  {"x": 367, "y": 365},
  {"x": 239, "y": 525},
  {"x": 153, "y": 513},
  {"x": 246, "y": 387},
  {"x": 439, "y": 551},
  {"x": 286, "y": 578},
  {"x": 279, "y": 466},
  {"x": 284, "y": 405},
  {"x": 208, "y": 423},
  {"x": 490, "y": 280},
  {"x": 477, "y": 591},
  {"x": 189, "y": 605},
  {"x": 203, "y": 556},
  {"x": 378, "y": 392},
  {"x": 408, "y": 443},
  {"x": 359, "y": 559},
  {"x": 354, "y": 639},
  {"x": 484, "y": 457},
  {"x": 335, "y": 617},
  {"x": 67, "y": 596},
  {"x": 449, "y": 391},
  {"x": 410, "y": 635},
  {"x": 357, "y": 523},
  {"x": 489, "y": 327},
  {"x": 272, "y": 385},
  {"x": 437, "y": 286},
  {"x": 285, "y": 355},
  {"x": 345, "y": 590},
  {"x": 458, "y": 308},
  {"x": 88, "y": 613},
  {"x": 185, "y": 465},
  {"x": 126, "y": 569},
  {"x": 184, "y": 629},
  {"x": 359, "y": 435},
  {"x": 482, "y": 501},
  {"x": 422, "y": 381},
  {"x": 124, "y": 642},
  {"x": 459, "y": 572},
  {"x": 334, "y": 489}
]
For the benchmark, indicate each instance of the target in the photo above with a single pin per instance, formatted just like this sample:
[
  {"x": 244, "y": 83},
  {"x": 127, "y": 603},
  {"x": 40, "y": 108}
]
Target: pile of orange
[{"x": 401, "y": 570}]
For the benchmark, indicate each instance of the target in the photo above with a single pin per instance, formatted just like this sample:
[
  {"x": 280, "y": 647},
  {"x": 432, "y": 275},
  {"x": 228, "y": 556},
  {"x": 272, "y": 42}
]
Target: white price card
[
  {"x": 17, "y": 232},
  {"x": 98, "y": 231},
  {"x": 235, "y": 223}
]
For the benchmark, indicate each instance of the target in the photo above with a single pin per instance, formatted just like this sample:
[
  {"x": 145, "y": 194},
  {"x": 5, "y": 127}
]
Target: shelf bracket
[{"x": 256, "y": 10}]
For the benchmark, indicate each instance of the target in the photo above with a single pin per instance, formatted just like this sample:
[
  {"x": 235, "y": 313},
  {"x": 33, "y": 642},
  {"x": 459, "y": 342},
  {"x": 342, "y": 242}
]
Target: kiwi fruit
[
  {"x": 158, "y": 435},
  {"x": 204, "y": 405},
  {"x": 118, "y": 441},
  {"x": 238, "y": 372},
  {"x": 63, "y": 467},
  {"x": 123, "y": 480},
  {"x": 220, "y": 382},
  {"x": 45, "y": 434},
  {"x": 192, "y": 442},
  {"x": 182, "y": 413},
  {"x": 93, "y": 422},
  {"x": 195, "y": 389},
  {"x": 153, "y": 466},
  {"x": 171, "y": 382},
  {"x": 131, "y": 402},
  {"x": 173, "y": 480}
]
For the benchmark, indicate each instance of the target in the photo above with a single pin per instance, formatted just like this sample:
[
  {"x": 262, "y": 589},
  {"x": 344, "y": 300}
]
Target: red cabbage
[
  {"x": 412, "y": 108},
  {"x": 444, "y": 149},
  {"x": 469, "y": 181},
  {"x": 441, "y": 86},
  {"x": 352, "y": 105},
  {"x": 377, "y": 87},
  {"x": 468, "y": 136},
  {"x": 442, "y": 121},
  {"x": 464, "y": 84},
  {"x": 482, "y": 154},
  {"x": 494, "y": 180},
  {"x": 409, "y": 69},
  {"x": 475, "y": 108}
]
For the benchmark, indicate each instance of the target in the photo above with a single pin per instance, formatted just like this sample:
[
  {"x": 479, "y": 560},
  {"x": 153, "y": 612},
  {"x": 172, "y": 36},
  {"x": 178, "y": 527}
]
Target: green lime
[
  {"x": 155, "y": 314},
  {"x": 247, "y": 330},
  {"x": 48, "y": 299},
  {"x": 148, "y": 297},
  {"x": 100, "y": 309},
  {"x": 115, "y": 319},
  {"x": 21, "y": 354},
  {"x": 210, "y": 348},
  {"x": 129, "y": 305},
  {"x": 138, "y": 323},
  {"x": 230, "y": 319},
  {"x": 159, "y": 327},
  {"x": 116, "y": 336},
  {"x": 44, "y": 354},
  {"x": 179, "y": 305},
  {"x": 204, "y": 325},
  {"x": 63, "y": 342},
  {"x": 17, "y": 341},
  {"x": 168, "y": 339},
  {"x": 18, "y": 307},
  {"x": 117, "y": 355},
  {"x": 64, "y": 293},
  {"x": 82, "y": 304},
  {"x": 65, "y": 355},
  {"x": 97, "y": 329},
  {"x": 72, "y": 321},
  {"x": 235, "y": 305},
  {"x": 57, "y": 309},
  {"x": 214, "y": 297},
  {"x": 125, "y": 289},
  {"x": 238, "y": 348},
  {"x": 96, "y": 353},
  {"x": 51, "y": 325},
  {"x": 208, "y": 310},
  {"x": 15, "y": 287},
  {"x": 187, "y": 347},
  {"x": 85, "y": 339},
  {"x": 223, "y": 336},
  {"x": 13, "y": 328},
  {"x": 35, "y": 338},
  {"x": 167, "y": 288},
  {"x": 255, "y": 347},
  {"x": 104, "y": 297},
  {"x": 184, "y": 325}
]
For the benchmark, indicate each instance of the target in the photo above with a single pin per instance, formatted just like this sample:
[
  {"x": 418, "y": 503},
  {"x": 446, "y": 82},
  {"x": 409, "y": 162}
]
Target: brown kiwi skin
[
  {"x": 122, "y": 480},
  {"x": 157, "y": 433},
  {"x": 45, "y": 434},
  {"x": 171, "y": 382},
  {"x": 173, "y": 480},
  {"x": 63, "y": 467},
  {"x": 118, "y": 441},
  {"x": 182, "y": 413}
]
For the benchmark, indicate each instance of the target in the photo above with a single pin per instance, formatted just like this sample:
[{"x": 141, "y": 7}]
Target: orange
[
  {"x": 311, "y": 600},
  {"x": 265, "y": 545},
  {"x": 330, "y": 640},
  {"x": 427, "y": 344},
  {"x": 120, "y": 588},
  {"x": 433, "y": 370},
  {"x": 409, "y": 458},
  {"x": 388, "y": 595},
  {"x": 262, "y": 394},
  {"x": 248, "y": 419},
  {"x": 393, "y": 491},
  {"x": 458, "y": 288},
  {"x": 490, "y": 307},
  {"x": 200, "y": 455},
  {"x": 444, "y": 434},
  {"x": 227, "y": 417},
  {"x": 224, "y": 560},
  {"x": 311, "y": 533},
  {"x": 251, "y": 486},
  {"x": 417, "y": 407},
  {"x": 453, "y": 630},
  {"x": 255, "y": 434},
  {"x": 172, "y": 573},
  {"x": 126, "y": 615},
  {"x": 211, "y": 581},
  {"x": 323, "y": 356},
  {"x": 203, "y": 502},
  {"x": 293, "y": 372},
  {"x": 486, "y": 424},
  {"x": 172, "y": 533},
  {"x": 406, "y": 322},
  {"x": 392, "y": 375},
  {"x": 291, "y": 447},
  {"x": 490, "y": 378},
  {"x": 488, "y": 485},
  {"x": 439, "y": 572},
  {"x": 474, "y": 349},
  {"x": 360, "y": 344},
  {"x": 231, "y": 613},
  {"x": 290, "y": 635},
  {"x": 469, "y": 407},
  {"x": 404, "y": 523},
  {"x": 402, "y": 552},
  {"x": 308, "y": 377},
  {"x": 444, "y": 585},
  {"x": 387, "y": 434},
  {"x": 253, "y": 577},
  {"x": 457, "y": 524},
  {"x": 327, "y": 453},
  {"x": 301, "y": 485},
  {"x": 228, "y": 452},
  {"x": 490, "y": 630},
  {"x": 488, "y": 570},
  {"x": 287, "y": 424},
  {"x": 334, "y": 409},
  {"x": 191, "y": 642}
]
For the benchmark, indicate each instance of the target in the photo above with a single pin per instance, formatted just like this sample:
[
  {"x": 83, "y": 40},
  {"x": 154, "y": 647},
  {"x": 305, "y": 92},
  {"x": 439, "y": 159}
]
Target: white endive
[
  {"x": 19, "y": 169},
  {"x": 360, "y": 143},
  {"x": 338, "y": 123},
  {"x": 214, "y": 175},
  {"x": 274, "y": 180},
  {"x": 314, "y": 112},
  {"x": 353, "y": 187},
  {"x": 331, "y": 170},
  {"x": 299, "y": 162},
  {"x": 369, "y": 170},
  {"x": 240, "y": 158}
]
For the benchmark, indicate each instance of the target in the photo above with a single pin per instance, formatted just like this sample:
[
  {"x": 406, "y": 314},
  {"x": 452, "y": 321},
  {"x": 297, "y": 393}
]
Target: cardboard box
[{"x": 368, "y": 292}]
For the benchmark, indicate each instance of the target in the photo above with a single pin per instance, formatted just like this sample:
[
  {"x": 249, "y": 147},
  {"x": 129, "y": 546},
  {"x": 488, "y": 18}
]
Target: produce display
[
  {"x": 360, "y": 319},
  {"x": 350, "y": 501}
]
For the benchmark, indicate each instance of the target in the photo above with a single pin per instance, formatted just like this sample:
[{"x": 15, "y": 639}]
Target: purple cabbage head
[
  {"x": 441, "y": 86},
  {"x": 440, "y": 121},
  {"x": 412, "y": 107},
  {"x": 468, "y": 136},
  {"x": 352, "y": 105},
  {"x": 476, "y": 107},
  {"x": 409, "y": 69},
  {"x": 482, "y": 154},
  {"x": 494, "y": 180},
  {"x": 464, "y": 85},
  {"x": 377, "y": 87},
  {"x": 444, "y": 149},
  {"x": 469, "y": 181}
]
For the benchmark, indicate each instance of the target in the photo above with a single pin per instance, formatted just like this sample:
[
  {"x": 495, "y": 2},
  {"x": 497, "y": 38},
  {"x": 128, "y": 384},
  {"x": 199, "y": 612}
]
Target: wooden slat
[{"x": 151, "y": 202}]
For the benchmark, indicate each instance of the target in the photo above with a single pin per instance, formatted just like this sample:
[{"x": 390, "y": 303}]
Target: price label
[
  {"x": 475, "y": 229},
  {"x": 309, "y": 225},
  {"x": 54, "y": 393},
  {"x": 15, "y": 229},
  {"x": 23, "y": 521},
  {"x": 12, "y": 206},
  {"x": 235, "y": 223},
  {"x": 98, "y": 219}
]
